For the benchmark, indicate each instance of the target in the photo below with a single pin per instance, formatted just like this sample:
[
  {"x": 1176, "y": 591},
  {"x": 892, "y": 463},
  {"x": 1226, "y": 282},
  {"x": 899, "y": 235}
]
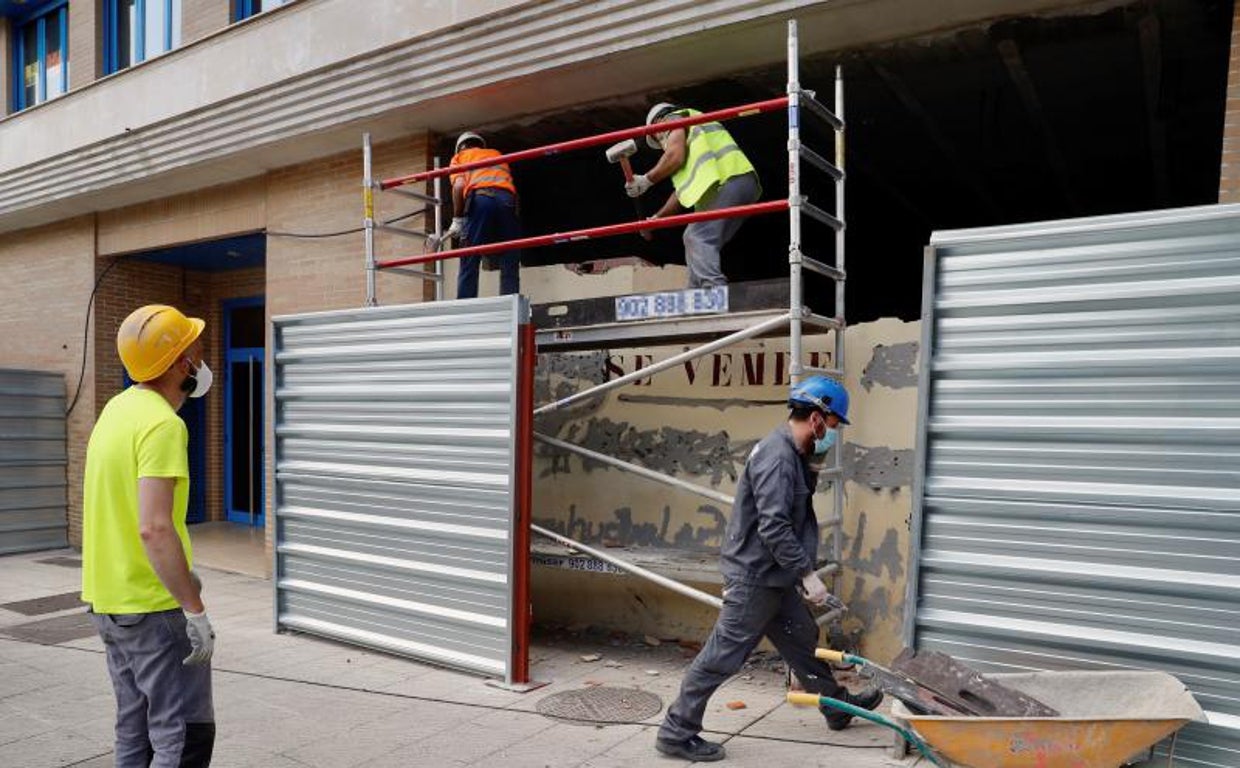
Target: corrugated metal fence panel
[
  {"x": 33, "y": 496},
  {"x": 395, "y": 453},
  {"x": 1080, "y": 497}
]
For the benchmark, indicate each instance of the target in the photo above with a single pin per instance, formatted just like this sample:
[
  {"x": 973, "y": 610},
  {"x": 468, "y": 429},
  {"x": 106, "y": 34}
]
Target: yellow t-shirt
[{"x": 137, "y": 435}]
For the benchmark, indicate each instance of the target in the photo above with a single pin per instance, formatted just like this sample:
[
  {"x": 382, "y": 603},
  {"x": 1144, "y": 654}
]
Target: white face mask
[{"x": 202, "y": 379}]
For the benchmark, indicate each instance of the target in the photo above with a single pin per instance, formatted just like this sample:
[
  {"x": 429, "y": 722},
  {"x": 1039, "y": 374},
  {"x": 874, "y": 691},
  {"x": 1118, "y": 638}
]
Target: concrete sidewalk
[{"x": 296, "y": 700}]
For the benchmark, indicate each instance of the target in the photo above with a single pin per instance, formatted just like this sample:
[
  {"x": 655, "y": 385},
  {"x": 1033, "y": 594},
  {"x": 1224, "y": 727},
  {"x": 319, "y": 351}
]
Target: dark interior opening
[{"x": 1019, "y": 120}]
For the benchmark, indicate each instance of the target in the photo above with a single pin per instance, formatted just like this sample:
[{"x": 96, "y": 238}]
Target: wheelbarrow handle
[{"x": 814, "y": 700}]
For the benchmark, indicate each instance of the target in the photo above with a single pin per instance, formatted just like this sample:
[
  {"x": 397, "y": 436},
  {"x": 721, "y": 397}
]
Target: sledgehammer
[{"x": 620, "y": 153}]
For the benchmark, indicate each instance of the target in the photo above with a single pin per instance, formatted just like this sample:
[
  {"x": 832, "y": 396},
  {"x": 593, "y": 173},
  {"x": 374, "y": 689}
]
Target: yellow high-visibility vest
[{"x": 712, "y": 158}]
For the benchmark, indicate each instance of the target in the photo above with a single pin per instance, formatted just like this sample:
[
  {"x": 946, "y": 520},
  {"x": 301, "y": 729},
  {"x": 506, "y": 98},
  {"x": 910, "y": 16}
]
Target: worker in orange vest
[{"x": 484, "y": 204}]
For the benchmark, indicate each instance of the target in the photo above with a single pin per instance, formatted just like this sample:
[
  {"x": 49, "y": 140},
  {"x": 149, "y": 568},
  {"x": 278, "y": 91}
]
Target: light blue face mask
[{"x": 824, "y": 443}]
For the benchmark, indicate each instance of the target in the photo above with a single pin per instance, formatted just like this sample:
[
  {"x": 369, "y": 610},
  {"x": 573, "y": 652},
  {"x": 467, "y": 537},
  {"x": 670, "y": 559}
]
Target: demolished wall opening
[{"x": 1023, "y": 119}]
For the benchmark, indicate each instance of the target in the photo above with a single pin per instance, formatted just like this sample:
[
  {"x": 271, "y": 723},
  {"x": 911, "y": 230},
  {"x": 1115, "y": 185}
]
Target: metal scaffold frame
[{"x": 798, "y": 317}]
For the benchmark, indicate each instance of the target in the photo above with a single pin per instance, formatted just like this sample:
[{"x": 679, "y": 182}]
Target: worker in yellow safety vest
[
  {"x": 484, "y": 203},
  {"x": 708, "y": 172},
  {"x": 144, "y": 598}
]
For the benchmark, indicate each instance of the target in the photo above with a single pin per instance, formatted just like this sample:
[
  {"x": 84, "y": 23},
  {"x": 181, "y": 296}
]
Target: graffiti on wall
[{"x": 622, "y": 531}]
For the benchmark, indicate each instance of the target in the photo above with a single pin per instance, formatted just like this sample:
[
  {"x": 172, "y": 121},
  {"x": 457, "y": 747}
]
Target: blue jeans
[{"x": 492, "y": 219}]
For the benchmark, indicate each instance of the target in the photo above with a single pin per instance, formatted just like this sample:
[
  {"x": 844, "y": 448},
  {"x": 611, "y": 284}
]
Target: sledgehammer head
[
  {"x": 620, "y": 153},
  {"x": 617, "y": 152}
]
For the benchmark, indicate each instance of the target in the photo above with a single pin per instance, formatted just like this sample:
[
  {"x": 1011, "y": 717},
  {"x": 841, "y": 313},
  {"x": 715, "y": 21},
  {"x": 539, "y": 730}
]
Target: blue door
[{"x": 244, "y": 334}]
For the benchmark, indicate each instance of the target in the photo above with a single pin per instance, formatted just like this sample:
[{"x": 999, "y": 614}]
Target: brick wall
[
  {"x": 133, "y": 283},
  {"x": 200, "y": 18},
  {"x": 228, "y": 209},
  {"x": 85, "y": 42},
  {"x": 49, "y": 272},
  {"x": 1229, "y": 178}
]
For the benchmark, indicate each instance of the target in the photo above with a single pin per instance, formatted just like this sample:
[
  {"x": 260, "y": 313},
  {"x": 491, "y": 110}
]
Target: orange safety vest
[{"x": 481, "y": 178}]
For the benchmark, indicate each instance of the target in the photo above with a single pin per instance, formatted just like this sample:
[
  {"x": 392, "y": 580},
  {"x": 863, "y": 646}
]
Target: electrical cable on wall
[{"x": 86, "y": 330}]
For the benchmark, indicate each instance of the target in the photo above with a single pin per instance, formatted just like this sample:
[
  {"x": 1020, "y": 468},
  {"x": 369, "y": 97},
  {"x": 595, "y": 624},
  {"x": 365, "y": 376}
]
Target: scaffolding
[{"x": 797, "y": 318}]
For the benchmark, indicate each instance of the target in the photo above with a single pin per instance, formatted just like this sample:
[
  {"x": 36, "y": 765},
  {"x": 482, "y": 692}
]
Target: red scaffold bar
[
  {"x": 592, "y": 233},
  {"x": 592, "y": 141}
]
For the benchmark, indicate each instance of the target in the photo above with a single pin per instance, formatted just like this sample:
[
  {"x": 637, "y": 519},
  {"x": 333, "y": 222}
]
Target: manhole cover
[{"x": 601, "y": 704}]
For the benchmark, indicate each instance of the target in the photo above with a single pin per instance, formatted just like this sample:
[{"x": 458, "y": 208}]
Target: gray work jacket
[{"x": 772, "y": 536}]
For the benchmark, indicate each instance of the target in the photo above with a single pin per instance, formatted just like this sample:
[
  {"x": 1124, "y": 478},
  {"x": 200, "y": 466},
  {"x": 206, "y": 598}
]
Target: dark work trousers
[
  {"x": 749, "y": 612},
  {"x": 492, "y": 218},
  {"x": 164, "y": 714}
]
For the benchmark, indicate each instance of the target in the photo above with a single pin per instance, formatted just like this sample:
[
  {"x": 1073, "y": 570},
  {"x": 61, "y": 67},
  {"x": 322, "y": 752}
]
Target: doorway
[{"x": 244, "y": 398}]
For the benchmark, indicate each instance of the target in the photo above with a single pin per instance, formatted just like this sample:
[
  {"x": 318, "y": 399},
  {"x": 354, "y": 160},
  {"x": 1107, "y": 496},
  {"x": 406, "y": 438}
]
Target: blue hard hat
[{"x": 825, "y": 394}]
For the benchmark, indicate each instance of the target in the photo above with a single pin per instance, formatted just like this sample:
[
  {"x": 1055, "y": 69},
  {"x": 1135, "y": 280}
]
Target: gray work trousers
[
  {"x": 705, "y": 239},
  {"x": 749, "y": 612},
  {"x": 164, "y": 714}
]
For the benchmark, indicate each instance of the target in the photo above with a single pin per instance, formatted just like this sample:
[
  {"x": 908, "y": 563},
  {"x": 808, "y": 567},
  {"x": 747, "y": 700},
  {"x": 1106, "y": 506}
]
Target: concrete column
[
  {"x": 1229, "y": 177},
  {"x": 85, "y": 42}
]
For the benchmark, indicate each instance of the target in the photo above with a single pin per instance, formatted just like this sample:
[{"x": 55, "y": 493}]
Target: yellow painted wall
[{"x": 699, "y": 423}]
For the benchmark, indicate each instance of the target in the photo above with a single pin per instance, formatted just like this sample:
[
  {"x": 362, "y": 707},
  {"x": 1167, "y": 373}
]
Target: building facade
[{"x": 207, "y": 153}]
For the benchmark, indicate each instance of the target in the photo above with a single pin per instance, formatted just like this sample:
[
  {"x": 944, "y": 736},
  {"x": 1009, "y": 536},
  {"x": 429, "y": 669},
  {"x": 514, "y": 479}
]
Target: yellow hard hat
[{"x": 152, "y": 338}]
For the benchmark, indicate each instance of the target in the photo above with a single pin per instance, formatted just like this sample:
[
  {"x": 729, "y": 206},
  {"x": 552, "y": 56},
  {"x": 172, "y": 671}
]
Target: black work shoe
[
  {"x": 696, "y": 749},
  {"x": 838, "y": 720}
]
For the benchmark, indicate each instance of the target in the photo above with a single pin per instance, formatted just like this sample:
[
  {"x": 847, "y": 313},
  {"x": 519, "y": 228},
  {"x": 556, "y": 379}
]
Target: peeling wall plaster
[{"x": 699, "y": 423}]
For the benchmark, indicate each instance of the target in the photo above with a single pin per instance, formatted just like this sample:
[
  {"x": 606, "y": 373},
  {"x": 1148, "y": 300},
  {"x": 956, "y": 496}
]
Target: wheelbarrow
[{"x": 1106, "y": 720}]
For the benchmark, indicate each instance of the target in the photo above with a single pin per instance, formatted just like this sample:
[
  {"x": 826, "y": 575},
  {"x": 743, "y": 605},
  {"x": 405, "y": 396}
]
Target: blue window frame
[
  {"x": 40, "y": 54},
  {"x": 136, "y": 30},
  {"x": 244, "y": 9}
]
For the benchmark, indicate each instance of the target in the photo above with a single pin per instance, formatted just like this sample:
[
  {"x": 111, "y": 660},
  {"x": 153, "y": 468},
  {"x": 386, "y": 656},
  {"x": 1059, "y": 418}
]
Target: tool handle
[
  {"x": 839, "y": 657},
  {"x": 803, "y": 699},
  {"x": 627, "y": 168},
  {"x": 815, "y": 700}
]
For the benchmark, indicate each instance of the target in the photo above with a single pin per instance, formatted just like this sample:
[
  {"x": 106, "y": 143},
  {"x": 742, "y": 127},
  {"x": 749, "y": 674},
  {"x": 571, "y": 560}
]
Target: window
[
  {"x": 136, "y": 30},
  {"x": 244, "y": 9},
  {"x": 41, "y": 55}
]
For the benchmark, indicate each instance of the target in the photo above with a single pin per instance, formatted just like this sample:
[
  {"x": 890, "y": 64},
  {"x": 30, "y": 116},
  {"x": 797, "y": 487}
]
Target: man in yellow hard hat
[{"x": 145, "y": 601}]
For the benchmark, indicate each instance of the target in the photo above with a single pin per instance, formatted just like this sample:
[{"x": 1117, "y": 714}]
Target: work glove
[
  {"x": 639, "y": 186},
  {"x": 201, "y": 638},
  {"x": 816, "y": 593},
  {"x": 457, "y": 229}
]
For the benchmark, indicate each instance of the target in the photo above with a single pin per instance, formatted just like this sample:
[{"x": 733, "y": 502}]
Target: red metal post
[
  {"x": 593, "y": 141},
  {"x": 522, "y": 607},
  {"x": 591, "y": 233}
]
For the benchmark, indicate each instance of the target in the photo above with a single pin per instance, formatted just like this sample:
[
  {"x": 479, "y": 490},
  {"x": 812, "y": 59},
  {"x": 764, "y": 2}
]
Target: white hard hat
[
  {"x": 468, "y": 136},
  {"x": 656, "y": 112}
]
